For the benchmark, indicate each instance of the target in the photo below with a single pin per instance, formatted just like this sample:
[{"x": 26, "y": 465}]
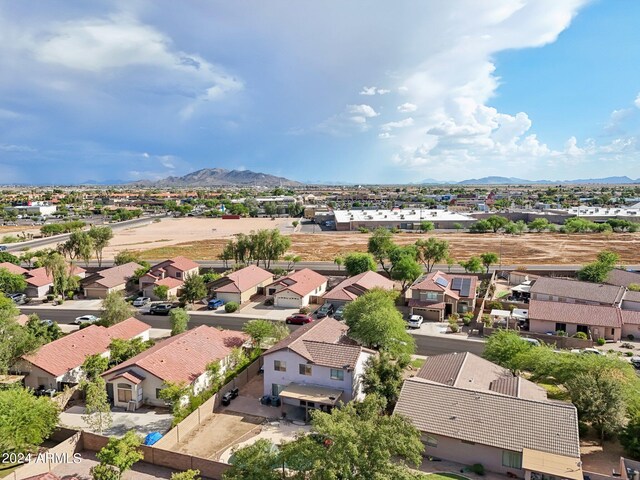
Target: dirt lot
[
  {"x": 599, "y": 459},
  {"x": 218, "y": 433},
  {"x": 528, "y": 249}
]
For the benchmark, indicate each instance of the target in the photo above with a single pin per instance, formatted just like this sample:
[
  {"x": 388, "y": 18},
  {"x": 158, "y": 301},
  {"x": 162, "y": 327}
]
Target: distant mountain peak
[{"x": 218, "y": 177}]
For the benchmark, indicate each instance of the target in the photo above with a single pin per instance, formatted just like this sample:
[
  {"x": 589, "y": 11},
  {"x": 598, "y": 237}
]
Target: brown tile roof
[
  {"x": 584, "y": 291},
  {"x": 129, "y": 328},
  {"x": 488, "y": 418},
  {"x": 353, "y": 287},
  {"x": 184, "y": 357},
  {"x": 70, "y": 351},
  {"x": 183, "y": 264},
  {"x": 622, "y": 278},
  {"x": 632, "y": 296},
  {"x": 574, "y": 313},
  {"x": 323, "y": 342},
  {"x": 245, "y": 279},
  {"x": 518, "y": 387},
  {"x": 114, "y": 276},
  {"x": 630, "y": 317},
  {"x": 169, "y": 282},
  {"x": 429, "y": 283},
  {"x": 129, "y": 375},
  {"x": 22, "y": 319},
  {"x": 15, "y": 269},
  {"x": 426, "y": 304},
  {"x": 302, "y": 282}
]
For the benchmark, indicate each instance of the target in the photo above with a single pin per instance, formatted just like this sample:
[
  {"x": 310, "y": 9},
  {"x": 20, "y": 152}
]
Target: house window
[
  {"x": 279, "y": 366},
  {"x": 305, "y": 369},
  {"x": 430, "y": 441},
  {"x": 511, "y": 459},
  {"x": 124, "y": 393},
  {"x": 583, "y": 329},
  {"x": 337, "y": 374},
  {"x": 561, "y": 327},
  {"x": 613, "y": 331},
  {"x": 178, "y": 274},
  {"x": 431, "y": 296}
]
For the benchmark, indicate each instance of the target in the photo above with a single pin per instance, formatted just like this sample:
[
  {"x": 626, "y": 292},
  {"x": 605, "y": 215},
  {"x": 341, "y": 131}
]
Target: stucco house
[
  {"x": 470, "y": 412},
  {"x": 316, "y": 367},
  {"x": 351, "y": 288},
  {"x": 181, "y": 358},
  {"x": 437, "y": 295},
  {"x": 562, "y": 290},
  {"x": 298, "y": 289},
  {"x": 170, "y": 273},
  {"x": 59, "y": 363},
  {"x": 241, "y": 285},
  {"x": 13, "y": 268},
  {"x": 39, "y": 283},
  {"x": 109, "y": 280}
]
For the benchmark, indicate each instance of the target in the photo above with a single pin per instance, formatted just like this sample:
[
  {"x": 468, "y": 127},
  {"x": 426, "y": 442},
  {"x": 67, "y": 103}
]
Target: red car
[{"x": 299, "y": 319}]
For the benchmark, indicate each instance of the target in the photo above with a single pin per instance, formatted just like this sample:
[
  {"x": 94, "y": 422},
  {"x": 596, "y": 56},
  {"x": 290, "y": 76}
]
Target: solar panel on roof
[
  {"x": 456, "y": 284},
  {"x": 466, "y": 287},
  {"x": 443, "y": 282}
]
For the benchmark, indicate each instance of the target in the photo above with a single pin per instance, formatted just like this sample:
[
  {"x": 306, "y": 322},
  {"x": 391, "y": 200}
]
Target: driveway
[
  {"x": 260, "y": 310},
  {"x": 88, "y": 305},
  {"x": 142, "y": 421}
]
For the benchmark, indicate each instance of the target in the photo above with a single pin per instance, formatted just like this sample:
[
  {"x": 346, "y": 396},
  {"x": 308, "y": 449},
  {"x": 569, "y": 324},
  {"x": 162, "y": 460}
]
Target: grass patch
[
  {"x": 444, "y": 476},
  {"x": 5, "y": 471},
  {"x": 418, "y": 362},
  {"x": 556, "y": 392}
]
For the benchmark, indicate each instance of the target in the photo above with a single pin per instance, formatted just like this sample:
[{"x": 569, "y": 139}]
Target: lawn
[
  {"x": 444, "y": 476},
  {"x": 417, "y": 362}
]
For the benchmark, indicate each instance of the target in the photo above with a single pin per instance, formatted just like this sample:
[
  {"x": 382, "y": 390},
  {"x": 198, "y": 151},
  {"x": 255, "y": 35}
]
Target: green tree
[
  {"x": 497, "y": 222},
  {"x": 261, "y": 330},
  {"x": 56, "y": 267},
  {"x": 79, "y": 245},
  {"x": 115, "y": 309},
  {"x": 25, "y": 420},
  {"x": 504, "y": 347},
  {"x": 481, "y": 226},
  {"x": 179, "y": 320},
  {"x": 101, "y": 237},
  {"x": 384, "y": 376},
  {"x": 539, "y": 224},
  {"x": 426, "y": 226},
  {"x": 104, "y": 472},
  {"x": 473, "y": 265},
  {"x": 121, "y": 349},
  {"x": 374, "y": 321},
  {"x": 258, "y": 461},
  {"x": 15, "y": 341},
  {"x": 292, "y": 260},
  {"x": 488, "y": 258},
  {"x": 186, "y": 475},
  {"x": 359, "y": 262},
  {"x": 97, "y": 413},
  {"x": 339, "y": 261},
  {"x": 44, "y": 332},
  {"x": 598, "y": 271},
  {"x": 630, "y": 437},
  {"x": 9, "y": 258},
  {"x": 11, "y": 282},
  {"x": 173, "y": 394},
  {"x": 193, "y": 289},
  {"x": 126, "y": 256},
  {"x": 161, "y": 292},
  {"x": 406, "y": 270},
  {"x": 432, "y": 251},
  {"x": 379, "y": 245},
  {"x": 94, "y": 366},
  {"x": 121, "y": 453}
]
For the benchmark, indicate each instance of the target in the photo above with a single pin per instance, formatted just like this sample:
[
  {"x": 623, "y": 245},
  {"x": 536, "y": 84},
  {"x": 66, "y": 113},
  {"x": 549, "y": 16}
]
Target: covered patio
[
  {"x": 310, "y": 397},
  {"x": 547, "y": 466}
]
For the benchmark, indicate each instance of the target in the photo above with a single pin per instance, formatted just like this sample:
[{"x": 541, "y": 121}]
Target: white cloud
[
  {"x": 385, "y": 135},
  {"x": 363, "y": 110},
  {"x": 407, "y": 107},
  {"x": 352, "y": 120},
  {"x": 407, "y": 122},
  {"x": 636, "y": 102},
  {"x": 370, "y": 91},
  {"x": 4, "y": 147}
]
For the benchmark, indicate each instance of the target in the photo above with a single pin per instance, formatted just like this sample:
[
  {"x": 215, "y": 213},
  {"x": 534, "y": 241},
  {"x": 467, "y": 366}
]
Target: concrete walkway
[{"x": 142, "y": 421}]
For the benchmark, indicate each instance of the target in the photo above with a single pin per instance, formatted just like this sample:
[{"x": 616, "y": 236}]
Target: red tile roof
[
  {"x": 131, "y": 376},
  {"x": 22, "y": 319},
  {"x": 70, "y": 351},
  {"x": 183, "y": 264},
  {"x": 630, "y": 317},
  {"x": 302, "y": 282},
  {"x": 574, "y": 313},
  {"x": 429, "y": 283},
  {"x": 15, "y": 269},
  {"x": 114, "y": 276},
  {"x": 353, "y": 287},
  {"x": 169, "y": 282},
  {"x": 184, "y": 357},
  {"x": 245, "y": 279}
]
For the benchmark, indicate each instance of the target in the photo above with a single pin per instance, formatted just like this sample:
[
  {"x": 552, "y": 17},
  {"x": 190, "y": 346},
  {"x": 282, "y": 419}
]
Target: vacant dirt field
[{"x": 528, "y": 249}]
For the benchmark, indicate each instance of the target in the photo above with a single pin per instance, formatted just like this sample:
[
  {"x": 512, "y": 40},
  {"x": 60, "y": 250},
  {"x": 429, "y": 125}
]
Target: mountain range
[
  {"x": 218, "y": 177},
  {"x": 522, "y": 181}
]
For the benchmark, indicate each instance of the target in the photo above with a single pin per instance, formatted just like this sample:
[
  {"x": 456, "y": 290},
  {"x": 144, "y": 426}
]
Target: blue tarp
[{"x": 152, "y": 438}]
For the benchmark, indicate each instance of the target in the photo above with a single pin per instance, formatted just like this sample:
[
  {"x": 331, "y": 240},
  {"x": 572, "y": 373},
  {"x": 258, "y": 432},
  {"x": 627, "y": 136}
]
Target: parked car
[
  {"x": 533, "y": 341},
  {"x": 339, "y": 313},
  {"x": 18, "y": 298},
  {"x": 160, "y": 309},
  {"x": 141, "y": 301},
  {"x": 214, "y": 303},
  {"x": 299, "y": 319},
  {"x": 635, "y": 361},
  {"x": 230, "y": 395},
  {"x": 47, "y": 322},
  {"x": 86, "y": 319},
  {"x": 3, "y": 248},
  {"x": 325, "y": 310},
  {"x": 415, "y": 321}
]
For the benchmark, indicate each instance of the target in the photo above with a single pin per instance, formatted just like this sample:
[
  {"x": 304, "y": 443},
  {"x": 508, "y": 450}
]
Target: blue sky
[{"x": 356, "y": 91}]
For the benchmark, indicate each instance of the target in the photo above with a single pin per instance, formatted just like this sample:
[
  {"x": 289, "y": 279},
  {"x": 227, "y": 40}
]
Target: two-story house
[
  {"x": 437, "y": 295},
  {"x": 170, "y": 273},
  {"x": 316, "y": 367},
  {"x": 104, "y": 282},
  {"x": 298, "y": 289}
]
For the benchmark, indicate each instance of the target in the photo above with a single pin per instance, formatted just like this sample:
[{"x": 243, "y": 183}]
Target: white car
[
  {"x": 86, "y": 319},
  {"x": 141, "y": 301},
  {"x": 415, "y": 321}
]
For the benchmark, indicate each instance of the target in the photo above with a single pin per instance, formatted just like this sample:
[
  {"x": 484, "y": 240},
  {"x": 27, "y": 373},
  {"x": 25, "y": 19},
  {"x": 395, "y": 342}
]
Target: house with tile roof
[
  {"x": 13, "y": 268},
  {"x": 59, "y": 363},
  {"x": 437, "y": 295},
  {"x": 182, "y": 358},
  {"x": 109, "y": 280},
  {"x": 350, "y": 289},
  {"x": 563, "y": 290},
  {"x": 39, "y": 282},
  {"x": 298, "y": 289},
  {"x": 170, "y": 273},
  {"x": 622, "y": 278},
  {"x": 241, "y": 285},
  {"x": 317, "y": 366},
  {"x": 508, "y": 434}
]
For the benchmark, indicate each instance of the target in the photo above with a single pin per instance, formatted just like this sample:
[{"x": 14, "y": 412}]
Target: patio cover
[
  {"x": 500, "y": 313},
  {"x": 312, "y": 393},
  {"x": 521, "y": 288},
  {"x": 551, "y": 464}
]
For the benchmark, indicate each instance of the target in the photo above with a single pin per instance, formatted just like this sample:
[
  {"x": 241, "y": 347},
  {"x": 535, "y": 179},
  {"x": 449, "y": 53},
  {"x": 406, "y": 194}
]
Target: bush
[
  {"x": 50, "y": 297},
  {"x": 363, "y": 230},
  {"x": 601, "y": 341},
  {"x": 477, "y": 468},
  {"x": 628, "y": 354},
  {"x": 583, "y": 429},
  {"x": 305, "y": 310},
  {"x": 581, "y": 335},
  {"x": 231, "y": 307},
  {"x": 561, "y": 333},
  {"x": 453, "y": 326},
  {"x": 466, "y": 321},
  {"x": 627, "y": 345}
]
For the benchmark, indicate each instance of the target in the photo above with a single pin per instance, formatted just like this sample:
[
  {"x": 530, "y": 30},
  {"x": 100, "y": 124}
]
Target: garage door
[{"x": 286, "y": 301}]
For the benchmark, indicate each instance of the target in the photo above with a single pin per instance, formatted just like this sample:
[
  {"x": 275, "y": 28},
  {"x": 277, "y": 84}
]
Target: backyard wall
[
  {"x": 559, "y": 342},
  {"x": 70, "y": 443}
]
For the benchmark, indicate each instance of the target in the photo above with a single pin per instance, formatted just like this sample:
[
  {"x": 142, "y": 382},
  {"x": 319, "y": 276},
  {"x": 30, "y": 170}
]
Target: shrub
[
  {"x": 363, "y": 230},
  {"x": 231, "y": 307},
  {"x": 466, "y": 321},
  {"x": 601, "y": 341},
  {"x": 453, "y": 325},
  {"x": 627, "y": 345},
  {"x": 628, "y": 354},
  {"x": 477, "y": 468},
  {"x": 305, "y": 310},
  {"x": 581, "y": 335},
  {"x": 50, "y": 297},
  {"x": 583, "y": 429},
  {"x": 561, "y": 333},
  {"x": 630, "y": 337}
]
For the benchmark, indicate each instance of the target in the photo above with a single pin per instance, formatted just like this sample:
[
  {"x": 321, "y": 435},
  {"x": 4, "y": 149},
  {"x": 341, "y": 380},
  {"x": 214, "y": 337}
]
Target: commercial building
[{"x": 404, "y": 219}]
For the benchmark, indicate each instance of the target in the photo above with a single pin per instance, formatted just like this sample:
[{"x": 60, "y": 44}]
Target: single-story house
[
  {"x": 181, "y": 358},
  {"x": 351, "y": 288},
  {"x": 562, "y": 290},
  {"x": 317, "y": 366},
  {"x": 631, "y": 300},
  {"x": 59, "y": 363},
  {"x": 596, "y": 321},
  {"x": 177, "y": 268},
  {"x": 13, "y": 268},
  {"x": 113, "y": 279},
  {"x": 437, "y": 295},
  {"x": 630, "y": 324},
  {"x": 174, "y": 287},
  {"x": 39, "y": 283},
  {"x": 241, "y": 285},
  {"x": 298, "y": 289},
  {"x": 622, "y": 278}
]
